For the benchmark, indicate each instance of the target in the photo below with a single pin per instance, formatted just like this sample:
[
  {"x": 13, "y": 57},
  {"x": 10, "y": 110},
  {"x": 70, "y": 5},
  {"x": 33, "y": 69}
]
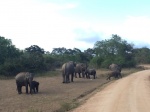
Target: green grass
[{"x": 66, "y": 106}]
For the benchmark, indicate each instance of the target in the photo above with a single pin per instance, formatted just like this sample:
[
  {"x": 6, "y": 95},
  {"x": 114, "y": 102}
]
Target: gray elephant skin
[
  {"x": 24, "y": 79},
  {"x": 89, "y": 72},
  {"x": 115, "y": 67},
  {"x": 115, "y": 74},
  {"x": 35, "y": 86},
  {"x": 67, "y": 70},
  {"x": 80, "y": 68}
]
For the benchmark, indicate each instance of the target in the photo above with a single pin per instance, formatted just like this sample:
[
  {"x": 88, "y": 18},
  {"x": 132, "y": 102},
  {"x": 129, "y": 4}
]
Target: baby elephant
[
  {"x": 35, "y": 86},
  {"x": 115, "y": 74},
  {"x": 89, "y": 72}
]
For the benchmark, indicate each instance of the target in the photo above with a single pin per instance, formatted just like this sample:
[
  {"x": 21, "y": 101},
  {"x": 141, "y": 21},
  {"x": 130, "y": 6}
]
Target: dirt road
[{"x": 129, "y": 94}]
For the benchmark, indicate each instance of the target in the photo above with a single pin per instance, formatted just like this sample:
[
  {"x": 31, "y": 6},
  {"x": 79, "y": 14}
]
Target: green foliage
[
  {"x": 96, "y": 62},
  {"x": 35, "y": 49},
  {"x": 114, "y": 50},
  {"x": 142, "y": 55}
]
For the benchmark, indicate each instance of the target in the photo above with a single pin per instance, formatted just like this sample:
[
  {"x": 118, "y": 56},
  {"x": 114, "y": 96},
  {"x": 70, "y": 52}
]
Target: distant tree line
[{"x": 36, "y": 59}]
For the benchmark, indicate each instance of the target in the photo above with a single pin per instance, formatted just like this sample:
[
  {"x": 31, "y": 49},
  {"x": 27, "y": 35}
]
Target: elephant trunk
[{"x": 31, "y": 85}]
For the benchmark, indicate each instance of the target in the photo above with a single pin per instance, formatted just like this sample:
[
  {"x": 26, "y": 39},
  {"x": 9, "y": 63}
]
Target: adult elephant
[
  {"x": 115, "y": 67},
  {"x": 67, "y": 70},
  {"x": 80, "y": 68},
  {"x": 89, "y": 72},
  {"x": 24, "y": 79}
]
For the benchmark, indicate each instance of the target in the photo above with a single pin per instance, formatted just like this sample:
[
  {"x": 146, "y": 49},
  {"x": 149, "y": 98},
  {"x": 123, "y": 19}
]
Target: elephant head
[{"x": 24, "y": 79}]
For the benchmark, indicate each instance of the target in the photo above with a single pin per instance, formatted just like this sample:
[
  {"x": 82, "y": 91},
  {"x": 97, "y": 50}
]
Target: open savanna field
[{"x": 53, "y": 96}]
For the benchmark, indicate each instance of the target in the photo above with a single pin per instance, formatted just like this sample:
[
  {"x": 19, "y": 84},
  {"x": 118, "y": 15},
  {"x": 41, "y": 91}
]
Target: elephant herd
[{"x": 69, "y": 69}]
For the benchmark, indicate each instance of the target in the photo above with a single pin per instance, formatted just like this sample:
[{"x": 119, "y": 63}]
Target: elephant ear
[{"x": 29, "y": 76}]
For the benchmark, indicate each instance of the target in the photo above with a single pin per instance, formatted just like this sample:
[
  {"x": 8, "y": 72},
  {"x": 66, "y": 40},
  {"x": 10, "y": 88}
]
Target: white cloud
[
  {"x": 133, "y": 29},
  {"x": 137, "y": 28},
  {"x": 28, "y": 23}
]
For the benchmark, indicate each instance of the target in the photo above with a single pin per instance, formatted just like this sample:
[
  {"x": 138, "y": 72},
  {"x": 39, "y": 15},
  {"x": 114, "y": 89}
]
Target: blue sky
[{"x": 74, "y": 23}]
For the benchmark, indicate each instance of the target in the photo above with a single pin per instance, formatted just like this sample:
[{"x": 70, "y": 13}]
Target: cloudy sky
[{"x": 74, "y": 23}]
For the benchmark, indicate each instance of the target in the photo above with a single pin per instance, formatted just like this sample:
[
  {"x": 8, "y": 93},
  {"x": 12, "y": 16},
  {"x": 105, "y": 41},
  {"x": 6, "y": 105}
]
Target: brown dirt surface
[
  {"x": 129, "y": 94},
  {"x": 52, "y": 94}
]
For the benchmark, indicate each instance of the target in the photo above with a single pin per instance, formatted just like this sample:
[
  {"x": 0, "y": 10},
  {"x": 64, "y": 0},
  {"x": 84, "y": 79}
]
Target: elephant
[
  {"x": 35, "y": 86},
  {"x": 68, "y": 69},
  {"x": 80, "y": 68},
  {"x": 89, "y": 72},
  {"x": 24, "y": 79},
  {"x": 115, "y": 67},
  {"x": 115, "y": 74}
]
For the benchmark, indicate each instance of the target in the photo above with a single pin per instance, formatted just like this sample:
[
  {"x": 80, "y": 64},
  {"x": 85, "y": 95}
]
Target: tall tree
[
  {"x": 142, "y": 55},
  {"x": 114, "y": 50},
  {"x": 7, "y": 50}
]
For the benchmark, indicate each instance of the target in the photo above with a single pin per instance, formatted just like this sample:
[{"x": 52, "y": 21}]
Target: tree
[
  {"x": 142, "y": 55},
  {"x": 35, "y": 49},
  {"x": 8, "y": 56},
  {"x": 114, "y": 50}
]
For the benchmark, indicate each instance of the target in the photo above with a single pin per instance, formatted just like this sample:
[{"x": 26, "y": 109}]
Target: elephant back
[
  {"x": 115, "y": 67},
  {"x": 68, "y": 68},
  {"x": 80, "y": 67},
  {"x": 22, "y": 76},
  {"x": 90, "y": 71}
]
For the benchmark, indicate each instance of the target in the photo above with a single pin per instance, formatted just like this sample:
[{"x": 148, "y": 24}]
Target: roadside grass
[{"x": 66, "y": 106}]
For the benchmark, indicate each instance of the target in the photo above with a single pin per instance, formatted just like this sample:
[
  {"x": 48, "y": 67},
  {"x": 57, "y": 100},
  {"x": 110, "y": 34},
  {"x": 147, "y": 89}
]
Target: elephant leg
[
  {"x": 34, "y": 90},
  {"x": 79, "y": 75},
  {"x": 19, "y": 87},
  {"x": 37, "y": 89},
  {"x": 120, "y": 75},
  {"x": 89, "y": 76},
  {"x": 31, "y": 87},
  {"x": 109, "y": 77},
  {"x": 72, "y": 77},
  {"x": 67, "y": 78},
  {"x": 26, "y": 88},
  {"x": 94, "y": 76},
  {"x": 64, "y": 78},
  {"x": 83, "y": 74},
  {"x": 75, "y": 75}
]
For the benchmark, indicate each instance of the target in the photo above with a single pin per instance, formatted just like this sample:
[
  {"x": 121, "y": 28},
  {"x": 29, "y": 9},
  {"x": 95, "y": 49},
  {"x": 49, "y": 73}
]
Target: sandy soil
[{"x": 129, "y": 94}]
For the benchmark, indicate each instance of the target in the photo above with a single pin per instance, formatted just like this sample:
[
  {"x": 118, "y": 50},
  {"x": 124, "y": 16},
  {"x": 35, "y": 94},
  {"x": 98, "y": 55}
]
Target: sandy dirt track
[{"x": 129, "y": 94}]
